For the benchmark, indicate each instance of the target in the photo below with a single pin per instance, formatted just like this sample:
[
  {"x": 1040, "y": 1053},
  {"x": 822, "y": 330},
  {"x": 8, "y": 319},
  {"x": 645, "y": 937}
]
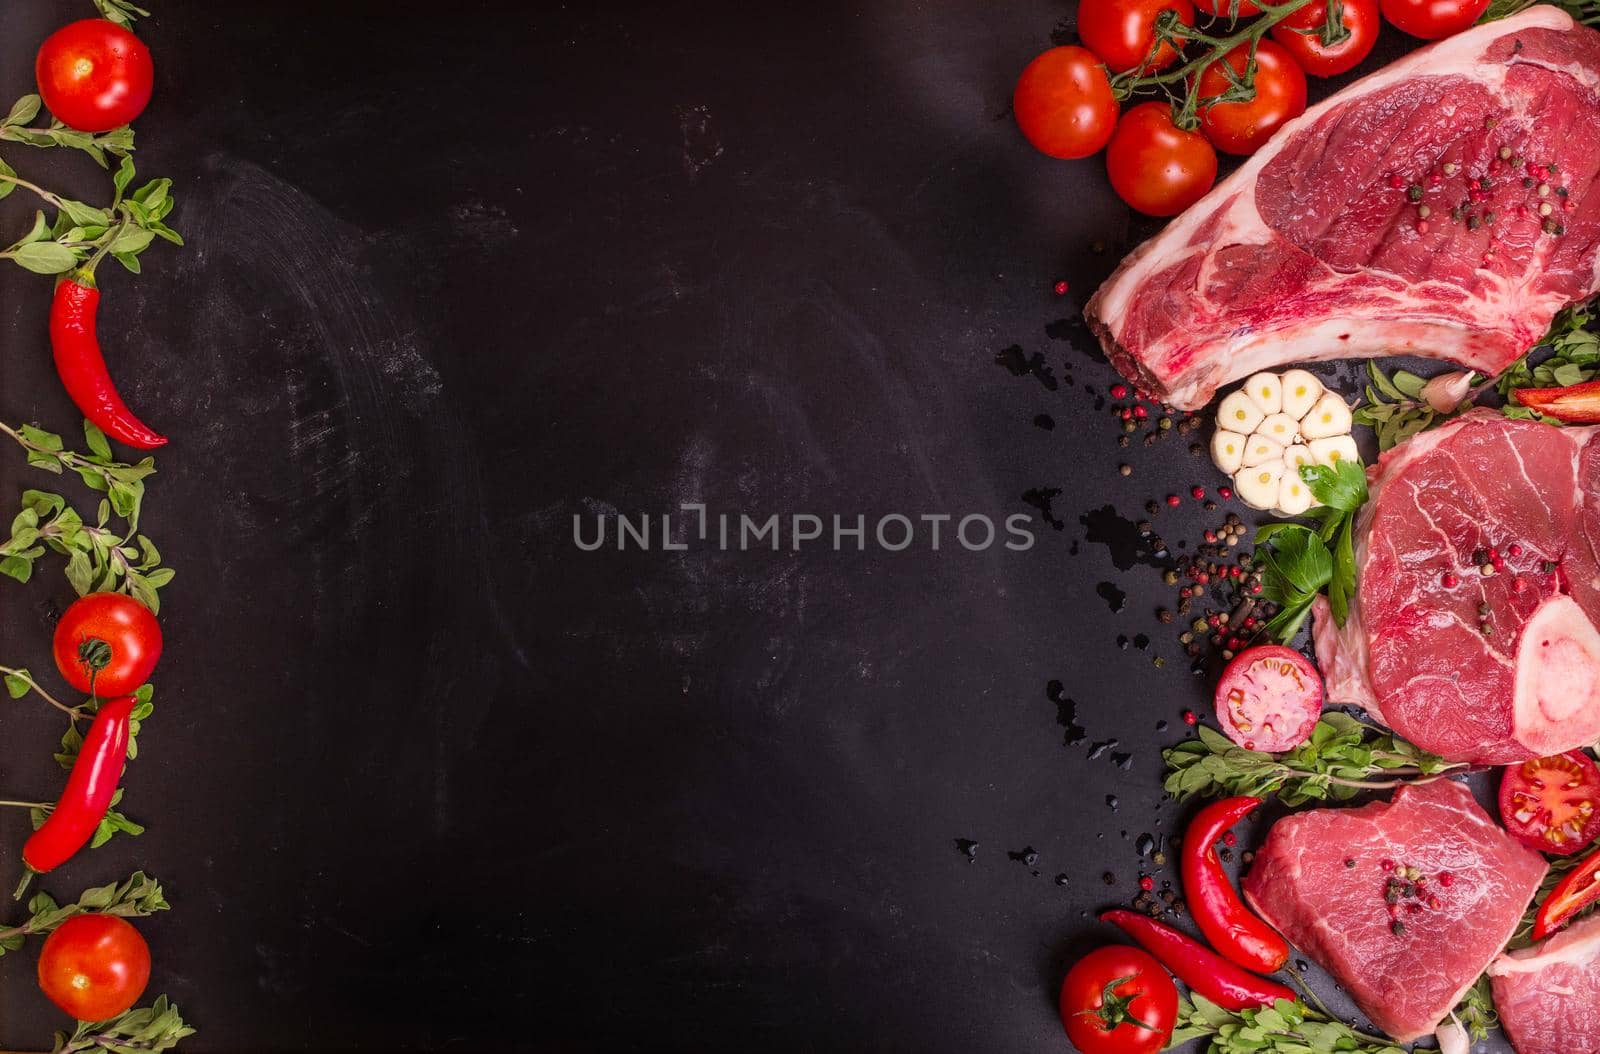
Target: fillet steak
[
  {"x": 1548, "y": 996},
  {"x": 1324, "y": 879},
  {"x": 1491, "y": 669},
  {"x": 1316, "y": 247}
]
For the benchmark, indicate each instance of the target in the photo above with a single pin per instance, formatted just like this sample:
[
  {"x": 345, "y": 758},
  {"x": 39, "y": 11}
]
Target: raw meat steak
[
  {"x": 1548, "y": 996},
  {"x": 1314, "y": 248},
  {"x": 1321, "y": 879},
  {"x": 1415, "y": 653}
]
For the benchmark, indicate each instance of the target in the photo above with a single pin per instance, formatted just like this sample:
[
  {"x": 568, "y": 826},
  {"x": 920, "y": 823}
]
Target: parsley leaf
[{"x": 1283, "y": 1028}]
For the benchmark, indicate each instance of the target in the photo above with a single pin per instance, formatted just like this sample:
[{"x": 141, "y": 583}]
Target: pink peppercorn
[
  {"x": 1446, "y": 879},
  {"x": 1422, "y": 226},
  {"x": 1514, "y": 549},
  {"x": 1140, "y": 412},
  {"x": 1230, "y": 839},
  {"x": 1198, "y": 492},
  {"x": 1146, "y": 883},
  {"x": 1189, "y": 718},
  {"x": 1224, "y": 493},
  {"x": 1387, "y": 865},
  {"x": 1450, "y": 580},
  {"x": 1174, "y": 500},
  {"x": 1119, "y": 391},
  {"x": 1395, "y": 181},
  {"x": 1061, "y": 289}
]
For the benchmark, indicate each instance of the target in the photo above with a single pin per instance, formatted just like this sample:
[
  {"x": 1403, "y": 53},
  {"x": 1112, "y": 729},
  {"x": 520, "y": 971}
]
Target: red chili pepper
[
  {"x": 83, "y": 368},
  {"x": 1577, "y": 404},
  {"x": 1197, "y": 966},
  {"x": 1572, "y": 894},
  {"x": 90, "y": 787},
  {"x": 1230, "y": 926}
]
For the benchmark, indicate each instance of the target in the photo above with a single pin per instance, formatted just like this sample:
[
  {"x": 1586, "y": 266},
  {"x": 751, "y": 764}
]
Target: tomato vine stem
[{"x": 1241, "y": 86}]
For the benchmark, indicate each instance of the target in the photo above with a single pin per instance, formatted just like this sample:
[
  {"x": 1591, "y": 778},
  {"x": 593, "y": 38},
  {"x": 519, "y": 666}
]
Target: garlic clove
[
  {"x": 1329, "y": 417},
  {"x": 1296, "y": 455},
  {"x": 1227, "y": 450},
  {"x": 1259, "y": 450},
  {"x": 1294, "y": 496},
  {"x": 1334, "y": 449},
  {"x": 1280, "y": 427},
  {"x": 1239, "y": 413},
  {"x": 1258, "y": 485},
  {"x": 1265, "y": 391},
  {"x": 1301, "y": 391}
]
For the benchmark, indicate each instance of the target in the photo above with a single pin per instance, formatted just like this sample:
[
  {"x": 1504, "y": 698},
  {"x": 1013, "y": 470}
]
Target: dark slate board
[{"x": 422, "y": 774}]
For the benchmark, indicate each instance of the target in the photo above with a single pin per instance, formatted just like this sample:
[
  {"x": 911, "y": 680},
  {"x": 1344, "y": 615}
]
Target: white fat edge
[{"x": 1577, "y": 945}]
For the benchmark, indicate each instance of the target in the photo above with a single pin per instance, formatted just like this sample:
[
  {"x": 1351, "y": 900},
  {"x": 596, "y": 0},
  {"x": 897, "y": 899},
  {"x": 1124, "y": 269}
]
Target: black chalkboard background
[{"x": 424, "y": 775}]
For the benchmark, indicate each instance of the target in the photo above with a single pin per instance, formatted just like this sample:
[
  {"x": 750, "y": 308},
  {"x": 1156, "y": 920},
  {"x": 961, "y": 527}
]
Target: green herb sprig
[
  {"x": 125, "y": 228},
  {"x": 1585, "y": 11},
  {"x": 1574, "y": 357},
  {"x": 1283, "y": 1028},
  {"x": 1476, "y": 1011},
  {"x": 18, "y": 127},
  {"x": 1395, "y": 409},
  {"x": 154, "y": 1028},
  {"x": 1342, "y": 758},
  {"x": 135, "y": 897},
  {"x": 120, "y": 11},
  {"x": 72, "y": 739},
  {"x": 1300, "y": 562}
]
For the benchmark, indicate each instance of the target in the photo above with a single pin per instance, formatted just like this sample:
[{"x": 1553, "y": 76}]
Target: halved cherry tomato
[
  {"x": 1552, "y": 804},
  {"x": 1122, "y": 32},
  {"x": 94, "y": 75},
  {"x": 1118, "y": 1000},
  {"x": 1432, "y": 19},
  {"x": 109, "y": 641},
  {"x": 1269, "y": 698},
  {"x": 1225, "y": 8},
  {"x": 1157, "y": 167},
  {"x": 1303, "y": 34},
  {"x": 1064, "y": 104},
  {"x": 1242, "y": 127},
  {"x": 1572, "y": 894},
  {"x": 94, "y": 966}
]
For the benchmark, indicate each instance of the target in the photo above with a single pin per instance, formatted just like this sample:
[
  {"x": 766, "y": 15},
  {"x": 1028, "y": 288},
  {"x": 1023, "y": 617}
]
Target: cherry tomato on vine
[
  {"x": 94, "y": 75},
  {"x": 1118, "y": 1000},
  {"x": 1122, "y": 32},
  {"x": 1064, "y": 104},
  {"x": 1157, "y": 167},
  {"x": 1223, "y": 9},
  {"x": 1242, "y": 127},
  {"x": 1432, "y": 19},
  {"x": 112, "y": 636},
  {"x": 1552, "y": 804},
  {"x": 94, "y": 966},
  {"x": 1301, "y": 36}
]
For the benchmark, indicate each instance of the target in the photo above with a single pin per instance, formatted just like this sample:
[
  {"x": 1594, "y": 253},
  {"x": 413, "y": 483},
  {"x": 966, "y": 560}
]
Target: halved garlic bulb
[{"x": 1273, "y": 426}]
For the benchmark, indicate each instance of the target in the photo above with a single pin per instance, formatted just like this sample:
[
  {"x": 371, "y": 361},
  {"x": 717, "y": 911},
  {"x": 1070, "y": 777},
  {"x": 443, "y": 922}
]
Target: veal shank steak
[{"x": 1318, "y": 248}]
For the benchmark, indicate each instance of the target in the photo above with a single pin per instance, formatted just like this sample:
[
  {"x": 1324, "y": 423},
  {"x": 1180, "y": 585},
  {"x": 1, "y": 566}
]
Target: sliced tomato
[
  {"x": 1269, "y": 698},
  {"x": 1552, "y": 804},
  {"x": 1572, "y": 894}
]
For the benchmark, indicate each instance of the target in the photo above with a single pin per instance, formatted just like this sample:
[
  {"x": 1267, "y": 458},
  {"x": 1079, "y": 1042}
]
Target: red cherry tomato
[
  {"x": 114, "y": 632},
  {"x": 1223, "y": 8},
  {"x": 94, "y": 966},
  {"x": 94, "y": 75},
  {"x": 1064, "y": 104},
  {"x": 1301, "y": 34},
  {"x": 1432, "y": 19},
  {"x": 1122, "y": 32},
  {"x": 1552, "y": 804},
  {"x": 1269, "y": 698},
  {"x": 1242, "y": 127},
  {"x": 1157, "y": 167},
  {"x": 1118, "y": 1000}
]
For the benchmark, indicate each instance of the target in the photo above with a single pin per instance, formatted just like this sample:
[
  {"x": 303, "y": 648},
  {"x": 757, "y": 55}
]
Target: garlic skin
[
  {"x": 1452, "y": 1036},
  {"x": 1272, "y": 426},
  {"x": 1447, "y": 391}
]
